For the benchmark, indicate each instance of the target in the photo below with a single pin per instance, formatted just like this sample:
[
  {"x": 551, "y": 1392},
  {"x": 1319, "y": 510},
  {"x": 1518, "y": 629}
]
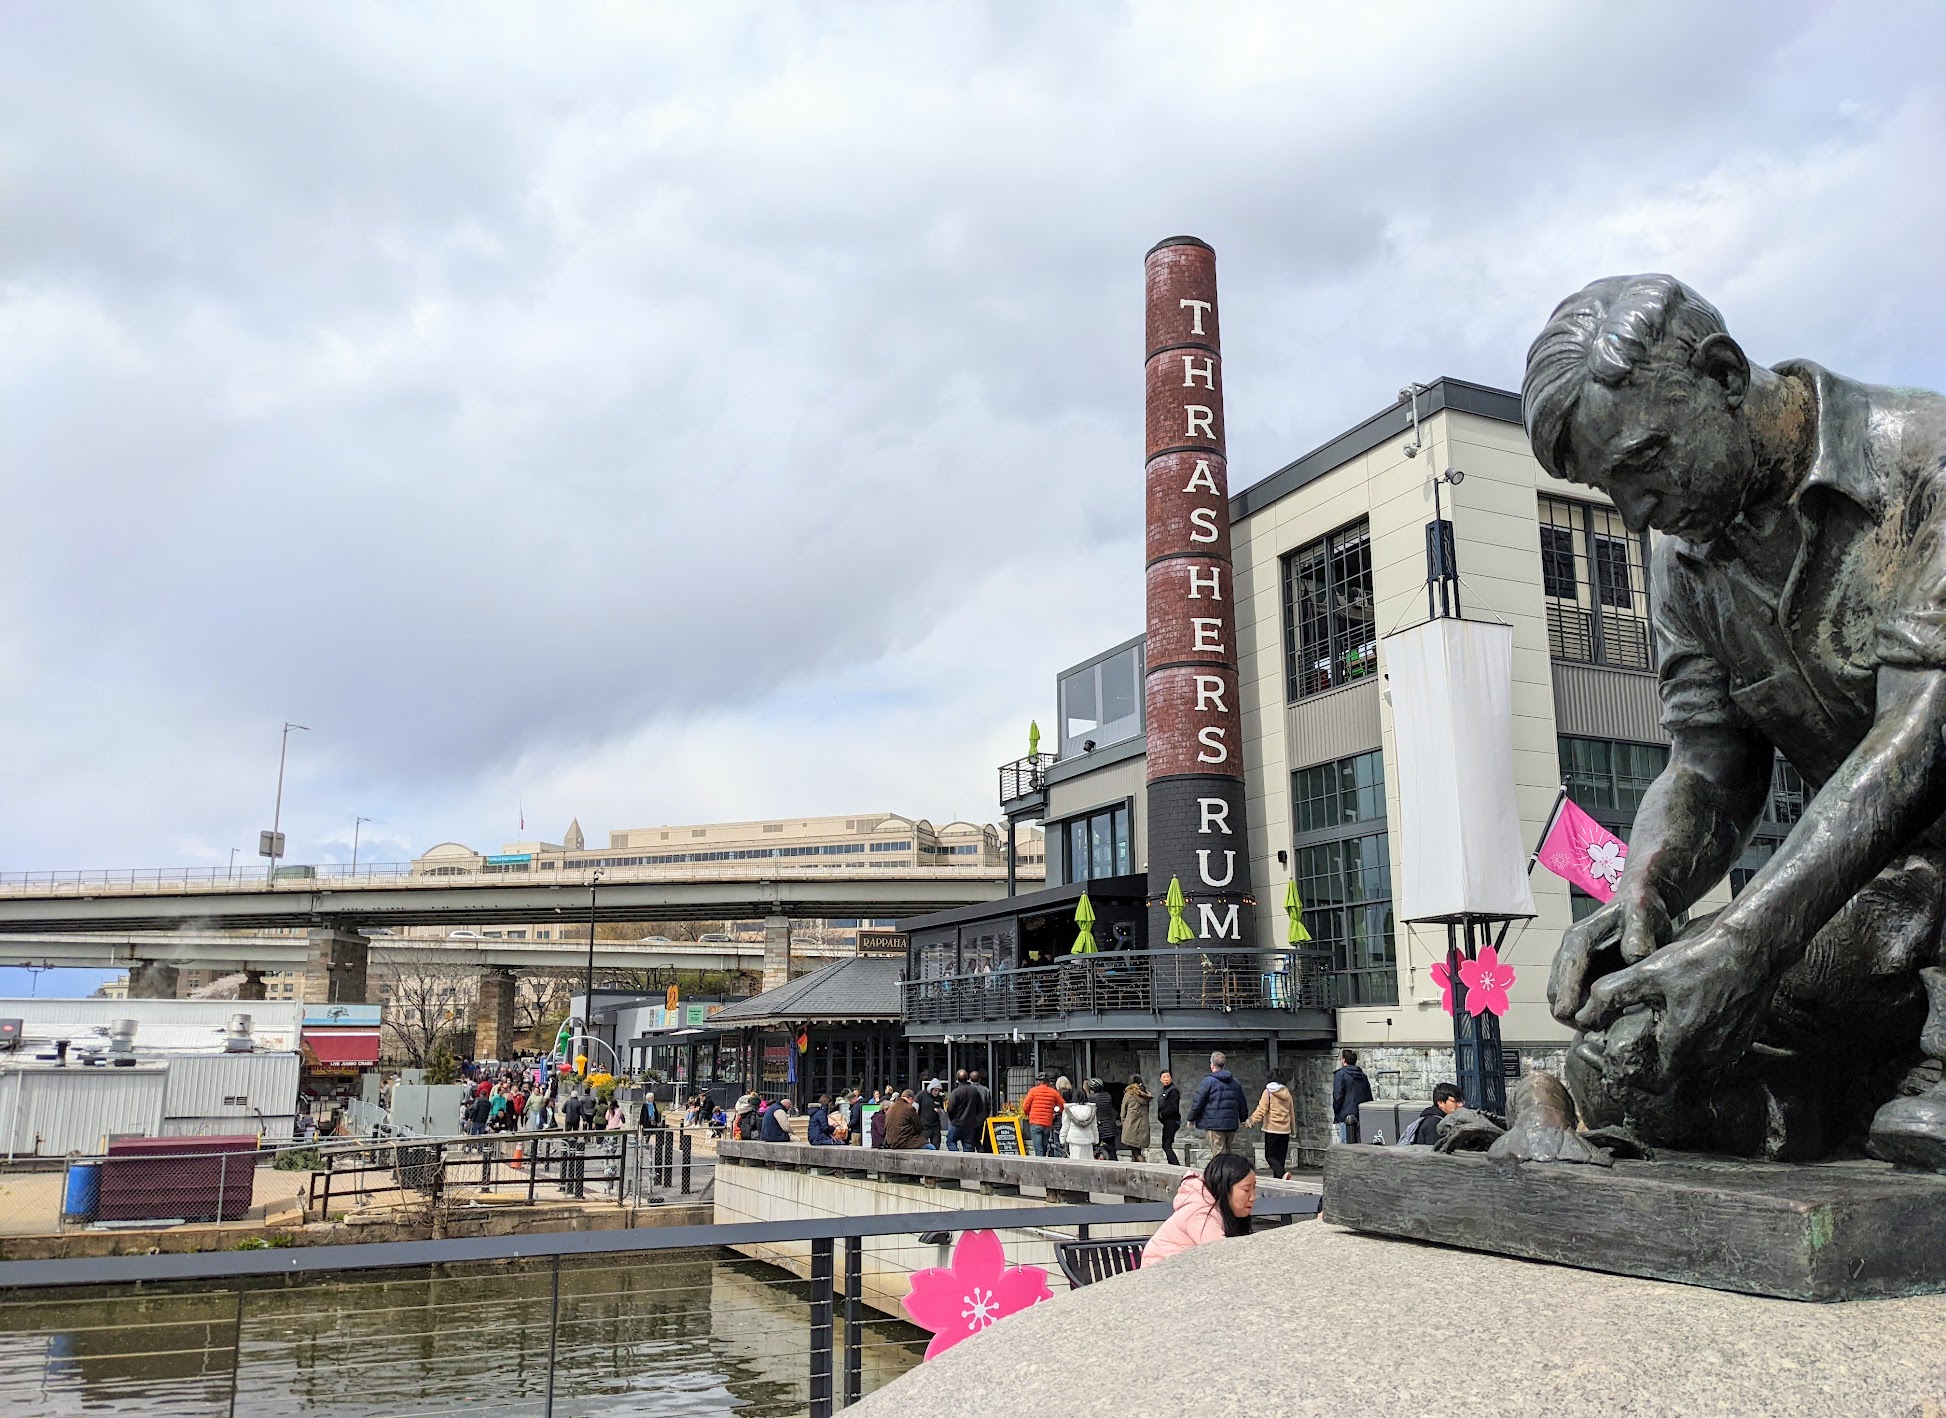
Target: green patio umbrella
[
  {"x": 1294, "y": 908},
  {"x": 1084, "y": 916},
  {"x": 1033, "y": 737},
  {"x": 1179, "y": 930}
]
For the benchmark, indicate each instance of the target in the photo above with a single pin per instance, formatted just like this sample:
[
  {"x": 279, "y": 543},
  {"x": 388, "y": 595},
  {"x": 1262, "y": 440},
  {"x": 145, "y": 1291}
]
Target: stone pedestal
[
  {"x": 251, "y": 986},
  {"x": 335, "y": 972},
  {"x": 152, "y": 979},
  {"x": 493, "y": 1015},
  {"x": 1817, "y": 1231},
  {"x": 777, "y": 952}
]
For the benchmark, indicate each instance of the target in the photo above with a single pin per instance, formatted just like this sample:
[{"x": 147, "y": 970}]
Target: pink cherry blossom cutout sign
[
  {"x": 959, "y": 1300},
  {"x": 1487, "y": 981}
]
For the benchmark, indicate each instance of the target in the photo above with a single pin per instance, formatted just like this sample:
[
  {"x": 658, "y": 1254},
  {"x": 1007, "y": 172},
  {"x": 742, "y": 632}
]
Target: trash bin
[{"x": 83, "y": 1200}]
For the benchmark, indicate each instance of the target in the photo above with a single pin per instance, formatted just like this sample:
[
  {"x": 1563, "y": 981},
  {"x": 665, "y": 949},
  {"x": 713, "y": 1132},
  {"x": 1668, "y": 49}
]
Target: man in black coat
[
  {"x": 927, "y": 1099},
  {"x": 1168, "y": 1112},
  {"x": 1349, "y": 1088}
]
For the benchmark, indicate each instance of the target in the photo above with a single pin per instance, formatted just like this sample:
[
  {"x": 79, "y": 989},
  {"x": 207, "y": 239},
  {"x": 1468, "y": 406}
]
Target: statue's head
[{"x": 1635, "y": 388}]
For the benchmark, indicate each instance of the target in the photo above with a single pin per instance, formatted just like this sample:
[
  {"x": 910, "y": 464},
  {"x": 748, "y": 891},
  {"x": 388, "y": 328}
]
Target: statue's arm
[
  {"x": 1890, "y": 789},
  {"x": 1697, "y": 815}
]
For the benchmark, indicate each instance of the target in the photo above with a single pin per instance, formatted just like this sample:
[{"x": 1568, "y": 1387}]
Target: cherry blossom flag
[{"x": 1581, "y": 851}]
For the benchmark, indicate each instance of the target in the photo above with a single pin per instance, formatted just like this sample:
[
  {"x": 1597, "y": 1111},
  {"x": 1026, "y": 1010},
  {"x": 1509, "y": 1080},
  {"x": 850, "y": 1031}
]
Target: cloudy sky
[{"x": 671, "y": 414}]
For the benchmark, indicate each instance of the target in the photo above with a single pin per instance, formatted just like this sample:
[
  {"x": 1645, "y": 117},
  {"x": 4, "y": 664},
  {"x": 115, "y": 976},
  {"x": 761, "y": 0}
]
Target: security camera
[{"x": 1087, "y": 745}]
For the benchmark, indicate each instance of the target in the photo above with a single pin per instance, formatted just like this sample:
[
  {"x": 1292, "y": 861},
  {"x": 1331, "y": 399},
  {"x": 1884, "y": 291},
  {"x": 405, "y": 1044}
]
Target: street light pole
[
  {"x": 277, "y": 815},
  {"x": 588, "y": 993},
  {"x": 233, "y": 852},
  {"x": 356, "y": 823}
]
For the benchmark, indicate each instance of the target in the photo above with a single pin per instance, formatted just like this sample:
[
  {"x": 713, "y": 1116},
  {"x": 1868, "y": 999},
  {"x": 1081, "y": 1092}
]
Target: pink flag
[{"x": 1580, "y": 850}]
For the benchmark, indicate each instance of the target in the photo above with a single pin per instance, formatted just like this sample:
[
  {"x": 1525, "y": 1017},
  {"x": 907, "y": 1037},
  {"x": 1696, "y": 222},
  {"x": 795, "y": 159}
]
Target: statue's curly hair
[{"x": 1606, "y": 331}]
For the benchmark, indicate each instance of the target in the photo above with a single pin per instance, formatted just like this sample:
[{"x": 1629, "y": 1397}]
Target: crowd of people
[
  {"x": 517, "y": 1100},
  {"x": 1088, "y": 1122}
]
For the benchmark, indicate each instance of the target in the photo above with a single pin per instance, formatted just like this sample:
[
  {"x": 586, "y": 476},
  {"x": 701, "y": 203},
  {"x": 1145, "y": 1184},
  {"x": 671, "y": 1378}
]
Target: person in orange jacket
[{"x": 1041, "y": 1107}]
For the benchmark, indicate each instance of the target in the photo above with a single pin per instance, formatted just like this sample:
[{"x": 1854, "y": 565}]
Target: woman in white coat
[{"x": 1078, "y": 1130}]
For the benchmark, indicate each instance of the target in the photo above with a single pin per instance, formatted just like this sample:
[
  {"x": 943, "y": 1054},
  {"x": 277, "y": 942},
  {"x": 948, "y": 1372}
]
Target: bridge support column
[
  {"x": 252, "y": 986},
  {"x": 335, "y": 971},
  {"x": 777, "y": 952},
  {"x": 152, "y": 979},
  {"x": 493, "y": 1016}
]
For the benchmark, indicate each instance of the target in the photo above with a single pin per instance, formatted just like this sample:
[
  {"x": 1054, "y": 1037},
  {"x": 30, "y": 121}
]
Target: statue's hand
[
  {"x": 1629, "y": 928},
  {"x": 1707, "y": 994}
]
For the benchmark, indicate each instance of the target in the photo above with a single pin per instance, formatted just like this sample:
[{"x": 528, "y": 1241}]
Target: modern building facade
[{"x": 1331, "y": 553}]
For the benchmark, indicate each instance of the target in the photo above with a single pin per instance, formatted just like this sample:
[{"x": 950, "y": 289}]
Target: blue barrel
[{"x": 83, "y": 1201}]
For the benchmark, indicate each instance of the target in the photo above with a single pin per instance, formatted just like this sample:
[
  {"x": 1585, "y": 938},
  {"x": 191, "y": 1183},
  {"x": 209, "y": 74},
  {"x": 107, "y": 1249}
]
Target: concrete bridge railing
[{"x": 779, "y": 1181}]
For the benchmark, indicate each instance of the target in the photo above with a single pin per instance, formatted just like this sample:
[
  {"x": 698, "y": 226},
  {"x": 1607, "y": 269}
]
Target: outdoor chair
[{"x": 1085, "y": 1262}]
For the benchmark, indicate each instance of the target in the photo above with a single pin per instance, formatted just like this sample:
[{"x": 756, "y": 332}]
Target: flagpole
[{"x": 1554, "y": 812}]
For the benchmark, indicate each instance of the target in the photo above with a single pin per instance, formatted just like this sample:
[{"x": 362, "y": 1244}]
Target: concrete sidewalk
[{"x": 1315, "y": 1320}]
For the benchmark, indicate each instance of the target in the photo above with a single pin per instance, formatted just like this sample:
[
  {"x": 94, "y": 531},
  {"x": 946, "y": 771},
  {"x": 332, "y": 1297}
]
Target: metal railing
[
  {"x": 1025, "y": 777},
  {"x": 521, "y": 1168},
  {"x": 1115, "y": 981},
  {"x": 252, "y": 1321},
  {"x": 277, "y": 1188}
]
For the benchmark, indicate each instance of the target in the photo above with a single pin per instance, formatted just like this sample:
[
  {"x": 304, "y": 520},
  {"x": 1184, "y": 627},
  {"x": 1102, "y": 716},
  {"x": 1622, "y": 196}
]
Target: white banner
[{"x": 1458, "y": 842}]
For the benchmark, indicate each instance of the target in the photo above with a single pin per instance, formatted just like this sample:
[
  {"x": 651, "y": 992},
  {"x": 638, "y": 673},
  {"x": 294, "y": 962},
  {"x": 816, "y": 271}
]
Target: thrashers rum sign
[{"x": 1196, "y": 827}]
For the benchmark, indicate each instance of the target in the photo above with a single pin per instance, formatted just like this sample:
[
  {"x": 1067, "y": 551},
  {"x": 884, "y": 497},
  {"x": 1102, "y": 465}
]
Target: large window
[
  {"x": 1095, "y": 845},
  {"x": 1101, "y": 703},
  {"x": 1607, "y": 777},
  {"x": 1343, "y": 866},
  {"x": 1593, "y": 575},
  {"x": 1330, "y": 628}
]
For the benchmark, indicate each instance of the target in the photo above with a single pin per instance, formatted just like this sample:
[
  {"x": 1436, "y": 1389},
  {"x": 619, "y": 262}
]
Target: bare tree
[
  {"x": 542, "y": 997},
  {"x": 428, "y": 1000}
]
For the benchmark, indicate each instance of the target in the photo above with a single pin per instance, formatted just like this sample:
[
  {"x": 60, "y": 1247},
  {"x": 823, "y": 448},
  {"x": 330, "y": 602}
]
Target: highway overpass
[
  {"x": 370, "y": 902},
  {"x": 122, "y": 950}
]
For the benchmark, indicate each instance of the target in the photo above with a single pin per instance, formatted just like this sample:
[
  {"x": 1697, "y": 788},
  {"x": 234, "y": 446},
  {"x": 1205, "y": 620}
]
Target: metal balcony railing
[
  {"x": 1121, "y": 981},
  {"x": 1025, "y": 777}
]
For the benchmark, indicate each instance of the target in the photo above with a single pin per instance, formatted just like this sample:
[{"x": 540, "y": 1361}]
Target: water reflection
[{"x": 681, "y": 1334}]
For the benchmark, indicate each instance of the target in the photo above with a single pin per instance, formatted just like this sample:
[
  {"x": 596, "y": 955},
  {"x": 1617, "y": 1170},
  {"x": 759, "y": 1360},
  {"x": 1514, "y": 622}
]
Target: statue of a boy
[{"x": 1799, "y": 597}]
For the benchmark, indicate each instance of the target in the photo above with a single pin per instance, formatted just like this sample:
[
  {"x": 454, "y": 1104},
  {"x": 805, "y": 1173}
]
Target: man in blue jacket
[
  {"x": 1218, "y": 1106},
  {"x": 773, "y": 1129},
  {"x": 819, "y": 1123}
]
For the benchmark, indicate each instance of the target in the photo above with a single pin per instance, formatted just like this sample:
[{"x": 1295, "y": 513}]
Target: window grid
[
  {"x": 1094, "y": 845},
  {"x": 1607, "y": 777},
  {"x": 1594, "y": 575},
  {"x": 1335, "y": 794},
  {"x": 1343, "y": 869},
  {"x": 1330, "y": 623}
]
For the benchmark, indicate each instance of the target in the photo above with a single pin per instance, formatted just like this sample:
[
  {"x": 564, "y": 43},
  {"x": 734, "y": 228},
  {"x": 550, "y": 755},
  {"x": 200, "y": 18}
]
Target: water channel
[{"x": 670, "y": 1335}]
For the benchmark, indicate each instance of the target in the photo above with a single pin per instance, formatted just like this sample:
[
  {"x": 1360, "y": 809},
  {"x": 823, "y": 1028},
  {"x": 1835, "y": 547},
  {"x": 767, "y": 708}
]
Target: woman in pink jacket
[{"x": 1208, "y": 1208}]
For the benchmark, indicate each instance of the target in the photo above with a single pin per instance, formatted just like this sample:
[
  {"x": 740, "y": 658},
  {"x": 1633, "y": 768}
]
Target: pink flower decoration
[
  {"x": 958, "y": 1301},
  {"x": 1444, "y": 979},
  {"x": 1487, "y": 982}
]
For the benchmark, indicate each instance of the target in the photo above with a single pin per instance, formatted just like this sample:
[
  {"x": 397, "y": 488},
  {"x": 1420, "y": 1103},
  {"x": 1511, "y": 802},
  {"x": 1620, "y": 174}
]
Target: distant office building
[
  {"x": 840, "y": 843},
  {"x": 870, "y": 840}
]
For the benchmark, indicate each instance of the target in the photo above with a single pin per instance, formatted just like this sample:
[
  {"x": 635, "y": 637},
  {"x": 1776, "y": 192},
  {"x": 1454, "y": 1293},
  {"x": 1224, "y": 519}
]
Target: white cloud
[{"x": 689, "y": 412}]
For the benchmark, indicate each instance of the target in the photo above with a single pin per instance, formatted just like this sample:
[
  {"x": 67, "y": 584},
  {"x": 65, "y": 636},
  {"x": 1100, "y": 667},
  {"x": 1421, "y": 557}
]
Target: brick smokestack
[{"x": 1196, "y": 829}]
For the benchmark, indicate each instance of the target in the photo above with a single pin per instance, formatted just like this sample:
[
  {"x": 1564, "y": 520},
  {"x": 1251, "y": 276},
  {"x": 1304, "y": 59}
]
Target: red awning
[{"x": 342, "y": 1048}]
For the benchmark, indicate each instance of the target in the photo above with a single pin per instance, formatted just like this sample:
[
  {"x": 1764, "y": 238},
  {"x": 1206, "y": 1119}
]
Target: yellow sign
[{"x": 675, "y": 999}]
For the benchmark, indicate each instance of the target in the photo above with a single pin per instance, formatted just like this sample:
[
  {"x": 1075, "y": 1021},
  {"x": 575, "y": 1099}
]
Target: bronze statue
[{"x": 1799, "y": 597}]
